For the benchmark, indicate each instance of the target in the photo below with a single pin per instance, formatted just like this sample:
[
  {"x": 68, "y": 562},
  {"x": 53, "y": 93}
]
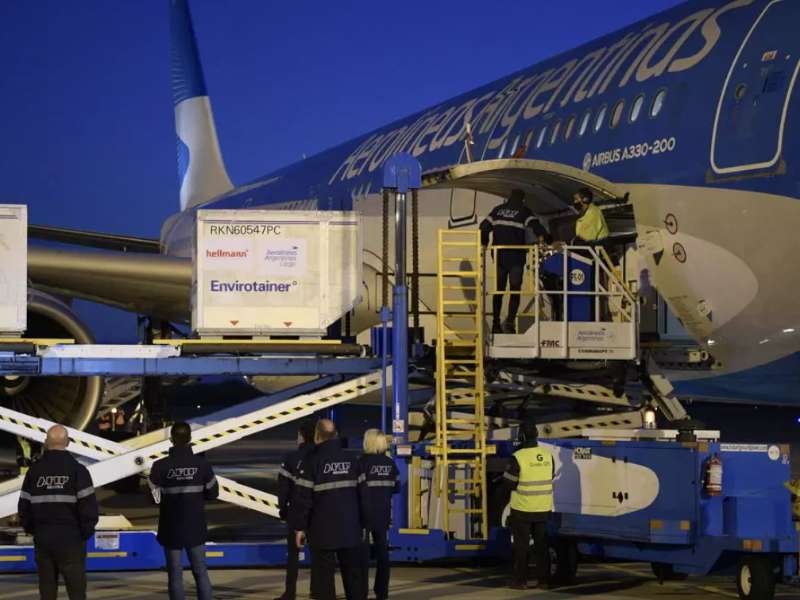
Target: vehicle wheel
[
  {"x": 666, "y": 572},
  {"x": 755, "y": 579},
  {"x": 564, "y": 562}
]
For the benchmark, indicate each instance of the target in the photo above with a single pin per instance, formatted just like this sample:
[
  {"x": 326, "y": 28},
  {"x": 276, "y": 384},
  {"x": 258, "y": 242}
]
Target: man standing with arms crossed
[
  {"x": 58, "y": 507},
  {"x": 181, "y": 483}
]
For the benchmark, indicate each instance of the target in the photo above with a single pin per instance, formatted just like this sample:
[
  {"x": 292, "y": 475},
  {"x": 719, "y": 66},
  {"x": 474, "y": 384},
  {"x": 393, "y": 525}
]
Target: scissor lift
[
  {"x": 573, "y": 305},
  {"x": 598, "y": 319},
  {"x": 111, "y": 461}
]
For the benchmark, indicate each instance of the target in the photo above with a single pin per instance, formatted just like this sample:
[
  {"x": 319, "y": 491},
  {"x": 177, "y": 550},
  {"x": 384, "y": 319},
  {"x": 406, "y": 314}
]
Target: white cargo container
[
  {"x": 13, "y": 269},
  {"x": 274, "y": 272}
]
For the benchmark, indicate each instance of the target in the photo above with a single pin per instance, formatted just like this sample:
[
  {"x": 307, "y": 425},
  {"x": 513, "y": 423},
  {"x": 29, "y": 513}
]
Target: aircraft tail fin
[{"x": 201, "y": 170}]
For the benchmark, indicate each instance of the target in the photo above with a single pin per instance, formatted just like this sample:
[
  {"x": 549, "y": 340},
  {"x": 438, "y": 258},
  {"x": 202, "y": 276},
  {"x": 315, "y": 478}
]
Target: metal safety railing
[
  {"x": 563, "y": 288},
  {"x": 460, "y": 448},
  {"x": 608, "y": 284}
]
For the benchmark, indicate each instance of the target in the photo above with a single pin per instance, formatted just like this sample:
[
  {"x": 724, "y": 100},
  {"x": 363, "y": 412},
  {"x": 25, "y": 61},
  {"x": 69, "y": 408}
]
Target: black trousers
[
  {"x": 293, "y": 567},
  {"x": 380, "y": 548},
  {"x": 323, "y": 570},
  {"x": 523, "y": 525},
  {"x": 509, "y": 274},
  {"x": 67, "y": 559}
]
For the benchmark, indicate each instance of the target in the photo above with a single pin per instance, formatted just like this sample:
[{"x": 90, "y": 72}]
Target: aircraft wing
[
  {"x": 150, "y": 284},
  {"x": 94, "y": 239}
]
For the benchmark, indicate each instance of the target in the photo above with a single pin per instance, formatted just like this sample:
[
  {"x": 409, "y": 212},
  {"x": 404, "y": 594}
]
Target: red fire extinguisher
[{"x": 714, "y": 476}]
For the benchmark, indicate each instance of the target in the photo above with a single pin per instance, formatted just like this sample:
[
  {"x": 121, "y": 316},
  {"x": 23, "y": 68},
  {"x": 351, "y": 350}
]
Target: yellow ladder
[{"x": 460, "y": 447}]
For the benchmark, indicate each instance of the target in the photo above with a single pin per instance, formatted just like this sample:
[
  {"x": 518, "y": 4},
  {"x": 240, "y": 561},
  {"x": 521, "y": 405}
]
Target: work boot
[
  {"x": 497, "y": 327},
  {"x": 509, "y": 327}
]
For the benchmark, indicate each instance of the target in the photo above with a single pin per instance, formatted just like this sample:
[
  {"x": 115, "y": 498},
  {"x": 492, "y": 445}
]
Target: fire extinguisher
[{"x": 714, "y": 476}]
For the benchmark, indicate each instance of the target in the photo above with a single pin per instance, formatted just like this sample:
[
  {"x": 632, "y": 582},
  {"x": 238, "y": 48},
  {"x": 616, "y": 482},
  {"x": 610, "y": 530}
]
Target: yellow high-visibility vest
[
  {"x": 592, "y": 225},
  {"x": 534, "y": 491}
]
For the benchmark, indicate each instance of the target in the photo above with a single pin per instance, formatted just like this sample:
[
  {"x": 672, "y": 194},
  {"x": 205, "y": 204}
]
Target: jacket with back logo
[
  {"x": 381, "y": 480},
  {"x": 325, "y": 501},
  {"x": 185, "y": 481},
  {"x": 57, "y": 503}
]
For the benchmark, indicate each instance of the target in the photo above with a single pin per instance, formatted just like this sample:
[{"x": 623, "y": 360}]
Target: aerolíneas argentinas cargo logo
[
  {"x": 264, "y": 287},
  {"x": 182, "y": 473},
  {"x": 52, "y": 482}
]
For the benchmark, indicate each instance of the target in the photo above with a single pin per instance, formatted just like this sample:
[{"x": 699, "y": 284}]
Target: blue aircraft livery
[{"x": 691, "y": 114}]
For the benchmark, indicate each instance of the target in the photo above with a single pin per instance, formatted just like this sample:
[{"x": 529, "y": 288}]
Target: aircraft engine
[{"x": 71, "y": 401}]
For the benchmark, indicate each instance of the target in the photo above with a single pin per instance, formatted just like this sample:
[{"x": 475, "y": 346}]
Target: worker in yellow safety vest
[
  {"x": 591, "y": 225},
  {"x": 529, "y": 476}
]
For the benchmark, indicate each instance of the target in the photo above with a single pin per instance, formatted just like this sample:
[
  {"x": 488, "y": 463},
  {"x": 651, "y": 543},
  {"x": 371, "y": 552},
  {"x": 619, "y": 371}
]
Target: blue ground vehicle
[{"x": 649, "y": 501}]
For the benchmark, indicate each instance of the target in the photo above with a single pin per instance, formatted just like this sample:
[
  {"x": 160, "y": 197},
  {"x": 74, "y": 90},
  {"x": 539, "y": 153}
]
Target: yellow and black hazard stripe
[
  {"x": 254, "y": 499},
  {"x": 316, "y": 402},
  {"x": 34, "y": 427}
]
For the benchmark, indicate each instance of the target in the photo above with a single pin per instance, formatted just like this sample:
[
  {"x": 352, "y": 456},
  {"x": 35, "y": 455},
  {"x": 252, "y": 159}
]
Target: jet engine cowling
[{"x": 72, "y": 401}]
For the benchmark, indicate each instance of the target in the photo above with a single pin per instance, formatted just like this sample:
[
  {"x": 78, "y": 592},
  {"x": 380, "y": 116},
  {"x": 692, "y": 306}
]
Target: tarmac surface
[
  {"x": 255, "y": 460},
  {"x": 595, "y": 581}
]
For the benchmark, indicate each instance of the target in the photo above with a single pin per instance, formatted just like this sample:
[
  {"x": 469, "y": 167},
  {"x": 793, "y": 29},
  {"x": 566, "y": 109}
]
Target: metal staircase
[{"x": 460, "y": 446}]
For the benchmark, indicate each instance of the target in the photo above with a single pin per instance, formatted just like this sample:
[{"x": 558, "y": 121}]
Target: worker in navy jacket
[
  {"x": 287, "y": 475},
  {"x": 381, "y": 479},
  {"x": 182, "y": 483},
  {"x": 58, "y": 507},
  {"x": 510, "y": 224},
  {"x": 325, "y": 508}
]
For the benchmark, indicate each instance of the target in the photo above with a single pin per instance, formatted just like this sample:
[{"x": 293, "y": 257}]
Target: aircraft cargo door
[{"x": 751, "y": 113}]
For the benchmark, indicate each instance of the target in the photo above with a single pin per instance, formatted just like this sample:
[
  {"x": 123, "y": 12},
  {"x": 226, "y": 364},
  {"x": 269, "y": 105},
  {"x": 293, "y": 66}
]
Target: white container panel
[
  {"x": 13, "y": 269},
  {"x": 260, "y": 272}
]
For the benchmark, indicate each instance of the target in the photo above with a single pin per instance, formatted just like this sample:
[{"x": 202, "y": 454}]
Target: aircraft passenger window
[
  {"x": 636, "y": 108},
  {"x": 616, "y": 114},
  {"x": 528, "y": 139},
  {"x": 540, "y": 139},
  {"x": 554, "y": 132},
  {"x": 502, "y": 149},
  {"x": 585, "y": 122},
  {"x": 658, "y": 103},
  {"x": 601, "y": 117},
  {"x": 570, "y": 126}
]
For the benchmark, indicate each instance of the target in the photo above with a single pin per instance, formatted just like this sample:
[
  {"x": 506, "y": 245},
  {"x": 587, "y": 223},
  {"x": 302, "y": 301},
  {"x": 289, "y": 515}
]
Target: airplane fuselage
[{"x": 689, "y": 112}]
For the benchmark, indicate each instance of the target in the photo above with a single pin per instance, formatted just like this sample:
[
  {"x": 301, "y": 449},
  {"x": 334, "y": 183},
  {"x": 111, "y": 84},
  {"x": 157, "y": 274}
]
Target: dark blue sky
[{"x": 86, "y": 120}]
